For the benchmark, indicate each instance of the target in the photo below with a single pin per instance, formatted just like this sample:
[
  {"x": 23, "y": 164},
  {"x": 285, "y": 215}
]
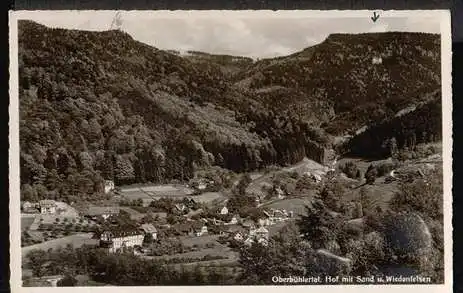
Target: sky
[{"x": 255, "y": 35}]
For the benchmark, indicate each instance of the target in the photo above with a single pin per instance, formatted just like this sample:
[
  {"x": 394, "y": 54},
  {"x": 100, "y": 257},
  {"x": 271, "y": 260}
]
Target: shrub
[
  {"x": 332, "y": 194},
  {"x": 424, "y": 197},
  {"x": 351, "y": 170},
  {"x": 371, "y": 174},
  {"x": 67, "y": 281}
]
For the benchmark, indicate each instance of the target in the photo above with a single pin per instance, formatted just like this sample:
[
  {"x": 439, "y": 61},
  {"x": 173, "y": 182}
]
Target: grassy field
[
  {"x": 297, "y": 205},
  {"x": 216, "y": 251},
  {"x": 76, "y": 240},
  {"x": 134, "y": 215},
  {"x": 209, "y": 197},
  {"x": 26, "y": 222},
  {"x": 165, "y": 190},
  {"x": 190, "y": 241}
]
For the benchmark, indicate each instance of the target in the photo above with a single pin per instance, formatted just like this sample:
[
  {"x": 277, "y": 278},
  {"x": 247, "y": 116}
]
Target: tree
[
  {"x": 124, "y": 171},
  {"x": 371, "y": 174},
  {"x": 332, "y": 194},
  {"x": 243, "y": 184},
  {"x": 37, "y": 259},
  {"x": 148, "y": 239},
  {"x": 67, "y": 281},
  {"x": 318, "y": 225}
]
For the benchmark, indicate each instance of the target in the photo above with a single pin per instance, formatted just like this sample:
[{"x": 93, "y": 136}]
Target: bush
[
  {"x": 351, "y": 170},
  {"x": 424, "y": 197},
  {"x": 67, "y": 281},
  {"x": 332, "y": 194},
  {"x": 371, "y": 174},
  {"x": 385, "y": 167}
]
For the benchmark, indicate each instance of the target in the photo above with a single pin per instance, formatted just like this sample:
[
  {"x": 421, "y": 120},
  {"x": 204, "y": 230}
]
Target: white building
[
  {"x": 47, "y": 206},
  {"x": 280, "y": 193},
  {"x": 261, "y": 232},
  {"x": 238, "y": 236},
  {"x": 233, "y": 221},
  {"x": 201, "y": 231},
  {"x": 224, "y": 211},
  {"x": 26, "y": 205},
  {"x": 108, "y": 186},
  {"x": 115, "y": 241},
  {"x": 377, "y": 60}
]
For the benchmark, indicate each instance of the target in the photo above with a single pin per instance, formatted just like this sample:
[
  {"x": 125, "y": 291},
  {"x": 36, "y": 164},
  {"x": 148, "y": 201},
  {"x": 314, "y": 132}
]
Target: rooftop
[
  {"x": 123, "y": 231},
  {"x": 149, "y": 228},
  {"x": 47, "y": 202},
  {"x": 96, "y": 211}
]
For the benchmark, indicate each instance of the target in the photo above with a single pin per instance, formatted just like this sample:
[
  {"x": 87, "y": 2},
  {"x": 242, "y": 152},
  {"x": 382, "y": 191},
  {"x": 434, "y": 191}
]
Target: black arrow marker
[{"x": 375, "y": 17}]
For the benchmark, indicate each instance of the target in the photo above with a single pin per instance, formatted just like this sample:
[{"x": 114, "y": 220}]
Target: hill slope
[{"x": 96, "y": 105}]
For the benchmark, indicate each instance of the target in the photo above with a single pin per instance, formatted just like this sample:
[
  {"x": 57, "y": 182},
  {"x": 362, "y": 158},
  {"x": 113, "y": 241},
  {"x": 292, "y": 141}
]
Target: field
[
  {"x": 76, "y": 240},
  {"x": 209, "y": 197},
  {"x": 297, "y": 205},
  {"x": 134, "y": 215},
  {"x": 26, "y": 221},
  {"x": 165, "y": 190},
  {"x": 154, "y": 192},
  {"x": 217, "y": 250}
]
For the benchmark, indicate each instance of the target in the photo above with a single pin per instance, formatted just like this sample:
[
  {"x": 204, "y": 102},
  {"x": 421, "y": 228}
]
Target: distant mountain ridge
[{"x": 100, "y": 105}]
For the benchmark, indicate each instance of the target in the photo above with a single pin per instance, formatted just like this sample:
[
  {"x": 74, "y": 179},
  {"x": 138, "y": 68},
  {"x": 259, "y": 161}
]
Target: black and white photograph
[{"x": 222, "y": 148}]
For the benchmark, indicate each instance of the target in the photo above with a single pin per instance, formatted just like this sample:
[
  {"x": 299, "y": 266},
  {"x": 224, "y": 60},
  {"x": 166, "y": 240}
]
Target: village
[
  {"x": 146, "y": 220},
  {"x": 201, "y": 223}
]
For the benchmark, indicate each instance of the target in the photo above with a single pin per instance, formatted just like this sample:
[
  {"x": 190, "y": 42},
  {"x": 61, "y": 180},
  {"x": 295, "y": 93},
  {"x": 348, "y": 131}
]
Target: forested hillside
[
  {"x": 422, "y": 124},
  {"x": 100, "y": 105}
]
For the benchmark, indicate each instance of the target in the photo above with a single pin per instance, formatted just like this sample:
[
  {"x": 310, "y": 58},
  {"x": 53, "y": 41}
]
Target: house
[
  {"x": 224, "y": 211},
  {"x": 117, "y": 240},
  {"x": 201, "y": 230},
  {"x": 259, "y": 233},
  {"x": 233, "y": 220},
  {"x": 150, "y": 229},
  {"x": 180, "y": 207},
  {"x": 108, "y": 186},
  {"x": 199, "y": 184},
  {"x": 265, "y": 221},
  {"x": 377, "y": 60},
  {"x": 105, "y": 212},
  {"x": 47, "y": 206},
  {"x": 236, "y": 232},
  {"x": 279, "y": 192},
  {"x": 238, "y": 236},
  {"x": 26, "y": 206}
]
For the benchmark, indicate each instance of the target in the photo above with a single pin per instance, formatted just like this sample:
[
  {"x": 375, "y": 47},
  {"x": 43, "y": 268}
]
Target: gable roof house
[
  {"x": 150, "y": 229},
  {"x": 47, "y": 206},
  {"x": 117, "y": 239},
  {"x": 180, "y": 207},
  {"x": 108, "y": 186},
  {"x": 224, "y": 211},
  {"x": 200, "y": 229},
  {"x": 234, "y": 220}
]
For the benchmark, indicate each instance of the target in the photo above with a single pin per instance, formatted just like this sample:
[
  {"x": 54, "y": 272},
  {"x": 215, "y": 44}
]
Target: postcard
[{"x": 283, "y": 150}]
